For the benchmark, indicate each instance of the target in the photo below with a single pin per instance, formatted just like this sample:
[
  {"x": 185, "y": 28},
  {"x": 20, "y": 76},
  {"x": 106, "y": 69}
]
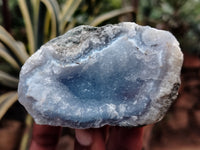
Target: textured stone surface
[{"x": 124, "y": 74}]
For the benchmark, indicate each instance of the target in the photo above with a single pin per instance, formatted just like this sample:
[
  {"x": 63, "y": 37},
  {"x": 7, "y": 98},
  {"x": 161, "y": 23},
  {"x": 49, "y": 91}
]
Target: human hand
[
  {"x": 105, "y": 138},
  {"x": 45, "y": 137},
  {"x": 109, "y": 138}
]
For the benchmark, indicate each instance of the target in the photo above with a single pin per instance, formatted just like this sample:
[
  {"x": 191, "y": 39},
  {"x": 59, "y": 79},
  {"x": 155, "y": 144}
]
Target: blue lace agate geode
[{"x": 124, "y": 74}]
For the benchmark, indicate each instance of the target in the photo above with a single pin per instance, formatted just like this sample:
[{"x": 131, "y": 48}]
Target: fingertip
[{"x": 84, "y": 137}]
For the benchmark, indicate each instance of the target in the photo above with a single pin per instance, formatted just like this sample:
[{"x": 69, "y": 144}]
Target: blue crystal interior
[
  {"x": 105, "y": 79},
  {"x": 85, "y": 87}
]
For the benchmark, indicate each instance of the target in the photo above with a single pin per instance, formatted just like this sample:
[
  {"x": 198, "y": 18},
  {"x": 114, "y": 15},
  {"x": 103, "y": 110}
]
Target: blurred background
[{"x": 27, "y": 24}]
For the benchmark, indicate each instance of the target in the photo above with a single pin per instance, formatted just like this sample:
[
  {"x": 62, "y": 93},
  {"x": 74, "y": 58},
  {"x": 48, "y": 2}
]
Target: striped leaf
[
  {"x": 7, "y": 57},
  {"x": 70, "y": 25},
  {"x": 22, "y": 47},
  {"x": 47, "y": 21},
  {"x": 66, "y": 7},
  {"x": 67, "y": 12},
  {"x": 12, "y": 45},
  {"x": 8, "y": 80},
  {"x": 28, "y": 24},
  {"x": 35, "y": 21},
  {"x": 53, "y": 9},
  {"x": 6, "y": 101},
  {"x": 111, "y": 14}
]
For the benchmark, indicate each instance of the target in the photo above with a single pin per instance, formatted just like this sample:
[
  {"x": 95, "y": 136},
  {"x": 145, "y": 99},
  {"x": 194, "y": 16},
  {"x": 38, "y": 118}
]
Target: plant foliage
[
  {"x": 46, "y": 19},
  {"x": 181, "y": 17},
  {"x": 43, "y": 20}
]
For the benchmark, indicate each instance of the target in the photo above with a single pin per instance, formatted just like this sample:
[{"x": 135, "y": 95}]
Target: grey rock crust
[{"x": 123, "y": 74}]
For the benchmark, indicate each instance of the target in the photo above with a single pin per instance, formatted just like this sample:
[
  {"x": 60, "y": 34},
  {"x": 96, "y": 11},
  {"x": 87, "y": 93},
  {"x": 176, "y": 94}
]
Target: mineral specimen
[{"x": 123, "y": 74}]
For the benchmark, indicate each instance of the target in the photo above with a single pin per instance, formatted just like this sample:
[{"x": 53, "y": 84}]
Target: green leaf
[
  {"x": 22, "y": 47},
  {"x": 47, "y": 22},
  {"x": 8, "y": 80},
  {"x": 67, "y": 12},
  {"x": 111, "y": 14},
  {"x": 53, "y": 9},
  {"x": 13, "y": 46},
  {"x": 6, "y": 101},
  {"x": 36, "y": 6},
  {"x": 7, "y": 57},
  {"x": 29, "y": 27},
  {"x": 66, "y": 7},
  {"x": 70, "y": 25}
]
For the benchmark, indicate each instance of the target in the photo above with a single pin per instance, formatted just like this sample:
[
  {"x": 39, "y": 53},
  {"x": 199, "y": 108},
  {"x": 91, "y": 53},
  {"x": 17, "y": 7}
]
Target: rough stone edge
[{"x": 166, "y": 96}]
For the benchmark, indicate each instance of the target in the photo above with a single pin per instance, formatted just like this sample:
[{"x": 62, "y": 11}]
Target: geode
[{"x": 123, "y": 74}]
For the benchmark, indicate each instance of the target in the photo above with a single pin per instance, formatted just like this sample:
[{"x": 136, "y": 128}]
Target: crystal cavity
[{"x": 123, "y": 74}]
